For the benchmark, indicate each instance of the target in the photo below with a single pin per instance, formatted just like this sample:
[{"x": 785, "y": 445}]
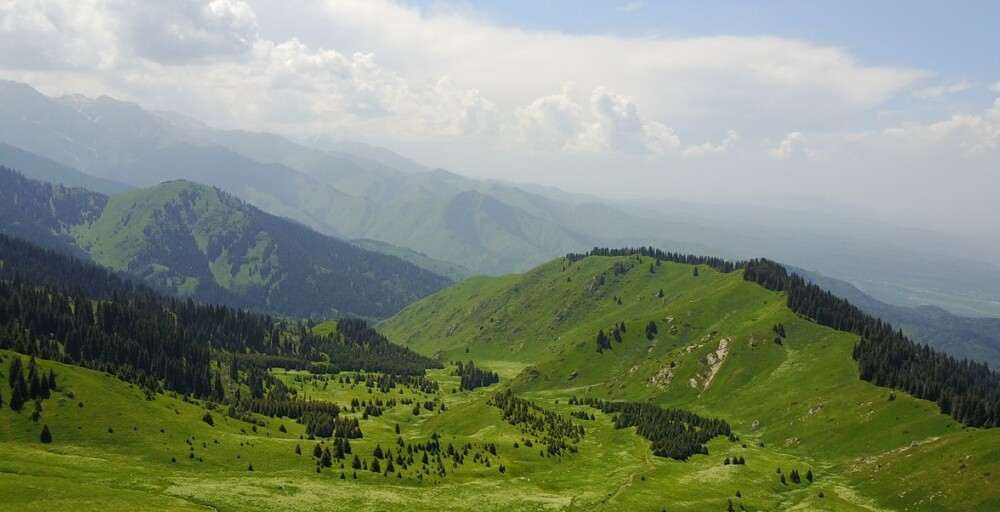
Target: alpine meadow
[{"x": 387, "y": 255}]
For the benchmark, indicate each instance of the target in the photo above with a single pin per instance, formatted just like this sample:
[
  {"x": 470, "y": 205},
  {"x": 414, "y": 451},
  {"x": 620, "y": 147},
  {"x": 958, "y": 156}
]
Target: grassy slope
[
  {"x": 804, "y": 394},
  {"x": 89, "y": 468}
]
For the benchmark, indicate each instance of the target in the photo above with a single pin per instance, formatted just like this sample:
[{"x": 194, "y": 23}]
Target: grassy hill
[
  {"x": 196, "y": 241},
  {"x": 713, "y": 354}
]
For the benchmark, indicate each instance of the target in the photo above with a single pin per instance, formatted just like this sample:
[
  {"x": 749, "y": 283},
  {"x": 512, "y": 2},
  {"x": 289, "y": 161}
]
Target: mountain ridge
[{"x": 197, "y": 241}]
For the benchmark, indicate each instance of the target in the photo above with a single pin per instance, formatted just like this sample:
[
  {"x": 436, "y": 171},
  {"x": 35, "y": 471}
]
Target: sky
[{"x": 886, "y": 110}]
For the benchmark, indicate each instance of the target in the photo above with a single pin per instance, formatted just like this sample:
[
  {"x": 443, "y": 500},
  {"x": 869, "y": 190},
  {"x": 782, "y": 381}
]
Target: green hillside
[
  {"x": 713, "y": 354},
  {"x": 196, "y": 241}
]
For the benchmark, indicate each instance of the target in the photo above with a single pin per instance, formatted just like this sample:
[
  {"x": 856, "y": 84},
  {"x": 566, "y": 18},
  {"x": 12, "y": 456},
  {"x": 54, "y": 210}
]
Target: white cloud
[
  {"x": 683, "y": 79},
  {"x": 611, "y": 123},
  {"x": 942, "y": 90},
  {"x": 995, "y": 87},
  {"x": 187, "y": 30},
  {"x": 794, "y": 145},
  {"x": 48, "y": 35},
  {"x": 731, "y": 139},
  {"x": 378, "y": 67}
]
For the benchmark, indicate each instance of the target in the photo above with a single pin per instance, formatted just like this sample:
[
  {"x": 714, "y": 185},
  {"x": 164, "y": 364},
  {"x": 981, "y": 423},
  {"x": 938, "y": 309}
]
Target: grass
[
  {"x": 801, "y": 399},
  {"x": 798, "y": 405}
]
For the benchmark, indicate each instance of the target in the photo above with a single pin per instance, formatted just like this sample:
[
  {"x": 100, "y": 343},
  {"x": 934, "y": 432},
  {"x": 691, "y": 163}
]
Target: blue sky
[{"x": 960, "y": 39}]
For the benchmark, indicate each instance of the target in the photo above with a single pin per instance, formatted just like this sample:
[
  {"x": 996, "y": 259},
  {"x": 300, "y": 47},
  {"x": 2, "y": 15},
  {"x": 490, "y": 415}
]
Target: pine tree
[
  {"x": 18, "y": 395},
  {"x": 14, "y": 373},
  {"x": 46, "y": 436},
  {"x": 651, "y": 330}
]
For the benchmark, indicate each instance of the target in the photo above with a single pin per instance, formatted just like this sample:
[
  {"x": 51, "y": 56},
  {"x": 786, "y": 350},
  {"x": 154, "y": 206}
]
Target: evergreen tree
[
  {"x": 651, "y": 330},
  {"x": 14, "y": 372},
  {"x": 18, "y": 395},
  {"x": 46, "y": 436}
]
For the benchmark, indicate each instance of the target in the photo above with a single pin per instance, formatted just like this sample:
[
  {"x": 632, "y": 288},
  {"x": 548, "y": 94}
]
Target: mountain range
[
  {"x": 451, "y": 225},
  {"x": 355, "y": 191}
]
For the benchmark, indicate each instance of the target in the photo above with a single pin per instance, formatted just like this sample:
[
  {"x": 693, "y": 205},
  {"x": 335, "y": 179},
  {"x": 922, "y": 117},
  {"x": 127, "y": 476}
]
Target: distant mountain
[
  {"x": 45, "y": 213},
  {"x": 41, "y": 168},
  {"x": 977, "y": 339},
  {"x": 194, "y": 240},
  {"x": 352, "y": 191},
  {"x": 442, "y": 268},
  {"x": 378, "y": 154}
]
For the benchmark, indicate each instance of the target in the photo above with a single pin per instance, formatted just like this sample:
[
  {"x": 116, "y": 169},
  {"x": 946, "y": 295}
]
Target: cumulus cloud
[
  {"x": 728, "y": 142},
  {"x": 794, "y": 145},
  {"x": 187, "y": 30},
  {"x": 750, "y": 79},
  {"x": 380, "y": 66},
  {"x": 40, "y": 34},
  {"x": 611, "y": 123},
  {"x": 969, "y": 134},
  {"x": 942, "y": 90}
]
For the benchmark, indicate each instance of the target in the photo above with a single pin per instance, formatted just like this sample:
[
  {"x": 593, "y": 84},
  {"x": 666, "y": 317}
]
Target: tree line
[
  {"x": 720, "y": 264},
  {"x": 473, "y": 377},
  {"x": 555, "y": 431},
  {"x": 672, "y": 433},
  {"x": 967, "y": 391},
  {"x": 57, "y": 307}
]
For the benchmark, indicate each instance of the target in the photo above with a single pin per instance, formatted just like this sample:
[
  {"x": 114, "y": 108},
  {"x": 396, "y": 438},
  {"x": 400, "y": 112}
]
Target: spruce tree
[
  {"x": 14, "y": 373},
  {"x": 18, "y": 395},
  {"x": 46, "y": 436}
]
